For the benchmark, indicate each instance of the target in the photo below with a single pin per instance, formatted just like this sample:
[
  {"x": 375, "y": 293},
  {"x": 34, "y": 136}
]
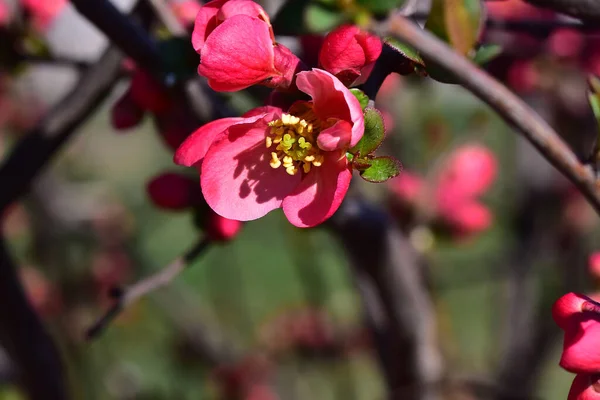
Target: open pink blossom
[
  {"x": 237, "y": 47},
  {"x": 579, "y": 317},
  {"x": 350, "y": 53},
  {"x": 269, "y": 159},
  {"x": 585, "y": 387}
]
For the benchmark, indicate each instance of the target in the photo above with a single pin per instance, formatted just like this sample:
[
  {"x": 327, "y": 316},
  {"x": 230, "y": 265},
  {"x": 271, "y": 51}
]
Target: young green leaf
[
  {"x": 381, "y": 169},
  {"x": 405, "y": 50},
  {"x": 363, "y": 99},
  {"x": 486, "y": 54},
  {"x": 457, "y": 22},
  {"x": 320, "y": 18},
  {"x": 374, "y": 133}
]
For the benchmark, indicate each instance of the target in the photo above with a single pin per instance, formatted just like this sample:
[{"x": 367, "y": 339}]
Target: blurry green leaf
[
  {"x": 363, "y": 99},
  {"x": 381, "y": 169},
  {"x": 179, "y": 57},
  {"x": 486, "y": 54},
  {"x": 374, "y": 133},
  {"x": 457, "y": 22},
  {"x": 380, "y": 6},
  {"x": 405, "y": 50},
  {"x": 438, "y": 73},
  {"x": 289, "y": 18},
  {"x": 319, "y": 18},
  {"x": 594, "y": 98}
]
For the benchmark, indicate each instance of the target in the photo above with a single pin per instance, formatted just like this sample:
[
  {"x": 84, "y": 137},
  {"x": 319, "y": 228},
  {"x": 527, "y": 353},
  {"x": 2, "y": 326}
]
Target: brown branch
[
  {"x": 586, "y": 10},
  {"x": 509, "y": 106},
  {"x": 129, "y": 295}
]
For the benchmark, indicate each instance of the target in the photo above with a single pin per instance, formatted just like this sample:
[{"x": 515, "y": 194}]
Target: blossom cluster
[{"x": 292, "y": 153}]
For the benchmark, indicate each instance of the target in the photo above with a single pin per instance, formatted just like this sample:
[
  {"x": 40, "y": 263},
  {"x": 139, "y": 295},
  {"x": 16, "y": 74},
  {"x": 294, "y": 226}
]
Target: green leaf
[
  {"x": 594, "y": 96},
  {"x": 374, "y": 133},
  {"x": 381, "y": 169},
  {"x": 486, "y": 53},
  {"x": 363, "y": 99},
  {"x": 380, "y": 6},
  {"x": 457, "y": 22},
  {"x": 405, "y": 50},
  {"x": 319, "y": 18}
]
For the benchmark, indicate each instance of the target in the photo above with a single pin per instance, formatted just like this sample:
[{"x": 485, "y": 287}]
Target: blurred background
[{"x": 276, "y": 312}]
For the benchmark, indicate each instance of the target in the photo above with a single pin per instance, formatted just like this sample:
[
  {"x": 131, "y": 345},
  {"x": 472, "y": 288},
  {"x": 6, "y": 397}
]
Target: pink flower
[
  {"x": 566, "y": 43},
  {"x": 269, "y": 159},
  {"x": 594, "y": 264},
  {"x": 186, "y": 11},
  {"x": 171, "y": 191},
  {"x": 579, "y": 317},
  {"x": 222, "y": 229},
  {"x": 237, "y": 47},
  {"x": 407, "y": 186},
  {"x": 350, "y": 54},
  {"x": 585, "y": 387},
  {"x": 468, "y": 173}
]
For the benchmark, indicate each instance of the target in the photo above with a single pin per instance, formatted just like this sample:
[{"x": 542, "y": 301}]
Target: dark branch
[
  {"x": 124, "y": 297},
  {"x": 27, "y": 342},
  {"x": 32, "y": 153}
]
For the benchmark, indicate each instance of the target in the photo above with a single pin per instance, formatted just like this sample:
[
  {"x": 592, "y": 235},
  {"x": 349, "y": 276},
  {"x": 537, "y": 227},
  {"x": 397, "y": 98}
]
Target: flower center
[{"x": 295, "y": 144}]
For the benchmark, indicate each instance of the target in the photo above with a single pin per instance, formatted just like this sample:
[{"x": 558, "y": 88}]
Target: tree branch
[
  {"x": 395, "y": 298},
  {"x": 510, "y": 107},
  {"x": 127, "y": 296},
  {"x": 38, "y": 362},
  {"x": 586, "y": 10}
]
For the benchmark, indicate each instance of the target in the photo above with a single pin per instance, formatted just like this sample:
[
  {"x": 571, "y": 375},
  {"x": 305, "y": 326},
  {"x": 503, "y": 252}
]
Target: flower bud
[
  {"x": 350, "y": 54},
  {"x": 147, "y": 93},
  {"x": 594, "y": 265},
  {"x": 585, "y": 387},
  {"x": 186, "y": 11},
  {"x": 221, "y": 229},
  {"x": 172, "y": 191},
  {"x": 125, "y": 113},
  {"x": 43, "y": 12},
  {"x": 468, "y": 219}
]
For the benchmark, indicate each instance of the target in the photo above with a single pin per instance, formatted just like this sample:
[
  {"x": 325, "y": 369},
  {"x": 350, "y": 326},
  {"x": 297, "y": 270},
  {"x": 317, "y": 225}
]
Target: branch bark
[
  {"x": 396, "y": 301},
  {"x": 509, "y": 106}
]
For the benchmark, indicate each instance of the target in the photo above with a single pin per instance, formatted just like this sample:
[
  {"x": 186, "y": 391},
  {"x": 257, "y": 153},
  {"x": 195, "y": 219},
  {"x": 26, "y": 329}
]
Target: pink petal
[
  {"x": 341, "y": 50},
  {"x": 237, "y": 180},
  {"x": 237, "y": 54},
  {"x": 320, "y": 193},
  {"x": 585, "y": 387},
  {"x": 274, "y": 111},
  {"x": 194, "y": 148},
  {"x": 332, "y": 100},
  {"x": 242, "y": 7},
  {"x": 336, "y": 137},
  {"x": 206, "y": 21}
]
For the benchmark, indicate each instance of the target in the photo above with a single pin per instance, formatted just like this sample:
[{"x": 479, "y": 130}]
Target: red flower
[
  {"x": 221, "y": 229},
  {"x": 171, "y": 191},
  {"x": 579, "y": 317},
  {"x": 350, "y": 54},
  {"x": 594, "y": 264},
  {"x": 237, "y": 47},
  {"x": 268, "y": 159},
  {"x": 585, "y": 387}
]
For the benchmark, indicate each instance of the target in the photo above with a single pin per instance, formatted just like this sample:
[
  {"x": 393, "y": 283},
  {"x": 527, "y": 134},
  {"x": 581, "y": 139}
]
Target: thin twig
[
  {"x": 509, "y": 106},
  {"x": 129, "y": 295}
]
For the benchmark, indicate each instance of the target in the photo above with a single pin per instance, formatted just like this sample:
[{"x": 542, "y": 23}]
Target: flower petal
[
  {"x": 336, "y": 137},
  {"x": 206, "y": 22},
  {"x": 194, "y": 148},
  {"x": 275, "y": 111},
  {"x": 320, "y": 193},
  {"x": 332, "y": 100},
  {"x": 237, "y": 180},
  {"x": 242, "y": 7},
  {"x": 585, "y": 387},
  {"x": 237, "y": 54}
]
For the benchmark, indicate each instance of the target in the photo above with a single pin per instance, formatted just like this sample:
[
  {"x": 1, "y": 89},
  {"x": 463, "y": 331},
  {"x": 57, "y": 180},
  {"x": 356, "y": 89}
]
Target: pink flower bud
[
  {"x": 350, "y": 54},
  {"x": 148, "y": 94},
  {"x": 407, "y": 186},
  {"x": 579, "y": 317},
  {"x": 125, "y": 113},
  {"x": 4, "y": 14},
  {"x": 172, "y": 191},
  {"x": 566, "y": 43},
  {"x": 523, "y": 76},
  {"x": 186, "y": 11},
  {"x": 594, "y": 264},
  {"x": 469, "y": 218},
  {"x": 221, "y": 229},
  {"x": 585, "y": 387}
]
